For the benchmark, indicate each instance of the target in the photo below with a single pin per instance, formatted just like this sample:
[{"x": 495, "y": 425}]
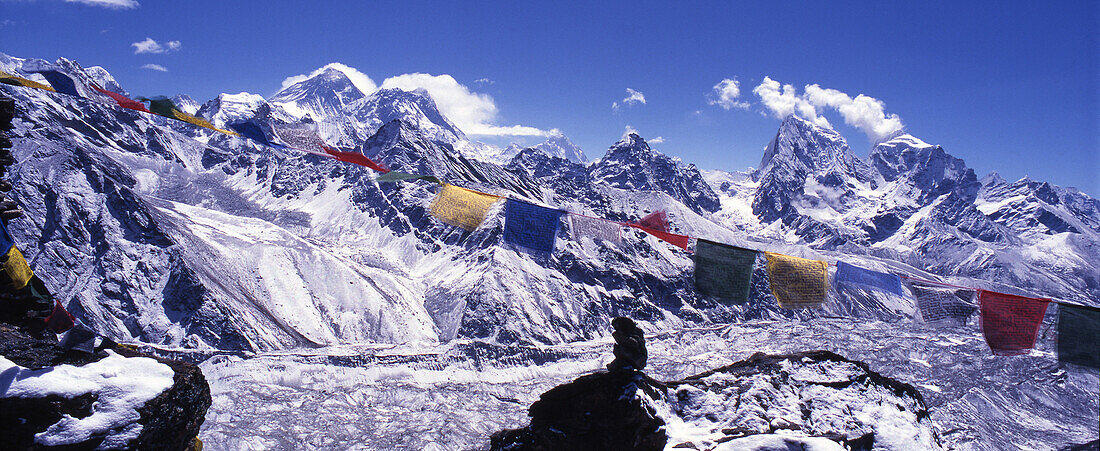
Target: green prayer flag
[
  {"x": 723, "y": 271},
  {"x": 1077, "y": 331},
  {"x": 161, "y": 106},
  {"x": 394, "y": 176}
]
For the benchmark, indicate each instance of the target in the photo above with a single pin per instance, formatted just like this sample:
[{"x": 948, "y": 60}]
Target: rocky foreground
[
  {"x": 809, "y": 400},
  {"x": 114, "y": 398}
]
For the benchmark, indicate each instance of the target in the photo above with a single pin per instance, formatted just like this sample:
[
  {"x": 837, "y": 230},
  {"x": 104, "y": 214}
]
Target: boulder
[
  {"x": 596, "y": 411},
  {"x": 53, "y": 412},
  {"x": 814, "y": 400}
]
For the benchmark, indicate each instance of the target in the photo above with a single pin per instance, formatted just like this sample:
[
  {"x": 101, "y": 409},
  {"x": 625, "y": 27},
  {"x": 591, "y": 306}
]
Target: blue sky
[{"x": 1007, "y": 86}]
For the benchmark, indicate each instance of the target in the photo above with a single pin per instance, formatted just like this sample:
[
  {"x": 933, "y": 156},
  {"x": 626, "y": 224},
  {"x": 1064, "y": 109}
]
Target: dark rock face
[{"x": 598, "y": 411}]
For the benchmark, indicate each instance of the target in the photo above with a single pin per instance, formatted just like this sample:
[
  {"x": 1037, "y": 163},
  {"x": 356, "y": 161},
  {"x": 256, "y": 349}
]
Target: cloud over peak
[
  {"x": 357, "y": 78},
  {"x": 473, "y": 113},
  {"x": 865, "y": 113},
  {"x": 156, "y": 67},
  {"x": 149, "y": 45}
]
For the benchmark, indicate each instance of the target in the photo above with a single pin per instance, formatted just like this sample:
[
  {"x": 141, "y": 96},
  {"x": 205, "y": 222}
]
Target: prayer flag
[
  {"x": 16, "y": 269},
  {"x": 723, "y": 271},
  {"x": 60, "y": 320},
  {"x": 251, "y": 130},
  {"x": 531, "y": 226},
  {"x": 301, "y": 138},
  {"x": 6, "y": 241},
  {"x": 122, "y": 100},
  {"x": 10, "y": 79},
  {"x": 461, "y": 207},
  {"x": 162, "y": 106},
  {"x": 356, "y": 158},
  {"x": 595, "y": 228},
  {"x": 854, "y": 275},
  {"x": 60, "y": 82},
  {"x": 657, "y": 220},
  {"x": 79, "y": 338},
  {"x": 1078, "y": 328},
  {"x": 680, "y": 241},
  {"x": 394, "y": 176},
  {"x": 1009, "y": 322},
  {"x": 797, "y": 282},
  {"x": 942, "y": 305}
]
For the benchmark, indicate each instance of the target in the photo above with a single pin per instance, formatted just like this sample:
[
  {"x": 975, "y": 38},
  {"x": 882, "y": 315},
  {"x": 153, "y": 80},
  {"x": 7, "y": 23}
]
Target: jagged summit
[
  {"x": 632, "y": 165},
  {"x": 807, "y": 158},
  {"x": 557, "y": 145},
  {"x": 322, "y": 96},
  {"x": 416, "y": 108}
]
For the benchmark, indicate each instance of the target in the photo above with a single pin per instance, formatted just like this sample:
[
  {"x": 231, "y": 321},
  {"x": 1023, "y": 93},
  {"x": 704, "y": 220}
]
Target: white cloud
[
  {"x": 726, "y": 93},
  {"x": 484, "y": 81},
  {"x": 110, "y": 4},
  {"x": 866, "y": 113},
  {"x": 149, "y": 45},
  {"x": 657, "y": 140},
  {"x": 629, "y": 131},
  {"x": 632, "y": 98},
  {"x": 782, "y": 101},
  {"x": 156, "y": 67},
  {"x": 472, "y": 112},
  {"x": 359, "y": 79}
]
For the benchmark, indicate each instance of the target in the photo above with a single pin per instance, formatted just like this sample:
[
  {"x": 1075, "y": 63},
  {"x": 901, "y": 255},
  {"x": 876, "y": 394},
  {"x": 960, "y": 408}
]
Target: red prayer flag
[
  {"x": 1009, "y": 322},
  {"x": 122, "y": 100},
  {"x": 60, "y": 320},
  {"x": 356, "y": 158},
  {"x": 680, "y": 241},
  {"x": 657, "y": 220}
]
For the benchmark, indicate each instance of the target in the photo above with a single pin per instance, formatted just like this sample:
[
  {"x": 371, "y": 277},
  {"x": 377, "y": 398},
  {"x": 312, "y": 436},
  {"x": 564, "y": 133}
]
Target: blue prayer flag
[
  {"x": 530, "y": 225},
  {"x": 6, "y": 241},
  {"x": 854, "y": 275},
  {"x": 251, "y": 130},
  {"x": 59, "y": 81}
]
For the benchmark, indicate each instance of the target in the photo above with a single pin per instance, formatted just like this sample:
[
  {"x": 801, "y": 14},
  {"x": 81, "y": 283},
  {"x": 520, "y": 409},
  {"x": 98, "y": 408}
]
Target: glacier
[{"x": 306, "y": 286}]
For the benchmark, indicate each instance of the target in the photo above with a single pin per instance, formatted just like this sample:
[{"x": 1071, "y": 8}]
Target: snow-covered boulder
[
  {"x": 814, "y": 400},
  {"x": 116, "y": 402}
]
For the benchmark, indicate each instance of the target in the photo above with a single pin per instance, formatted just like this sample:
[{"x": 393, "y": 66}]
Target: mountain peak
[
  {"x": 631, "y": 141},
  {"x": 415, "y": 108},
  {"x": 632, "y": 164}
]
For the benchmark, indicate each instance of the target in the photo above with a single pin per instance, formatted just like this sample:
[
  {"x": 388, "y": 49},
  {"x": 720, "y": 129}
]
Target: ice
[{"x": 453, "y": 396}]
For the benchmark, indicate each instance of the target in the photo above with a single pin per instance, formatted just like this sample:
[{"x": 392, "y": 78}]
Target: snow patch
[{"x": 121, "y": 386}]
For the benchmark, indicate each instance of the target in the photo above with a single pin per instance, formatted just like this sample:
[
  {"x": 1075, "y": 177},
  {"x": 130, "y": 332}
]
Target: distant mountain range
[{"x": 158, "y": 231}]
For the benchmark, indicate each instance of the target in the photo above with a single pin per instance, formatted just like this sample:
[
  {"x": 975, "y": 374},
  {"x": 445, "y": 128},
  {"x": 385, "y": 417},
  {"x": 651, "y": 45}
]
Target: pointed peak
[
  {"x": 631, "y": 140},
  {"x": 903, "y": 139}
]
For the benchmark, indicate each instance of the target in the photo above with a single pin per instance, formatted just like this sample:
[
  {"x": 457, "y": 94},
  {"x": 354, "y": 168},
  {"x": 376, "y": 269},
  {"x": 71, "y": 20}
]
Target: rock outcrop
[
  {"x": 43, "y": 420},
  {"x": 807, "y": 400}
]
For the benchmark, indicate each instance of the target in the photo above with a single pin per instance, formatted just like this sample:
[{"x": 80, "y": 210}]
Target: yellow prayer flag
[
  {"x": 797, "y": 282},
  {"x": 10, "y": 79},
  {"x": 16, "y": 268},
  {"x": 200, "y": 122},
  {"x": 461, "y": 207}
]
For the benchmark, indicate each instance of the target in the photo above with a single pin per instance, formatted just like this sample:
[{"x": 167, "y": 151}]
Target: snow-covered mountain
[
  {"x": 557, "y": 146},
  {"x": 157, "y": 231},
  {"x": 911, "y": 208}
]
